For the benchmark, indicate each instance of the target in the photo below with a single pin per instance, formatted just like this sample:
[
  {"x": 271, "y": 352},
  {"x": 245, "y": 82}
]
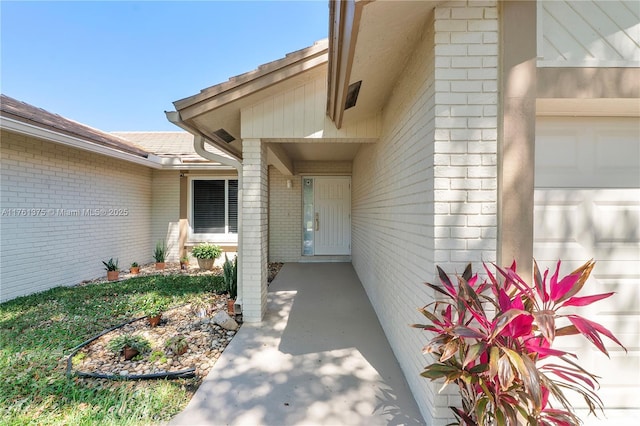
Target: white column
[
  {"x": 466, "y": 122},
  {"x": 255, "y": 230}
]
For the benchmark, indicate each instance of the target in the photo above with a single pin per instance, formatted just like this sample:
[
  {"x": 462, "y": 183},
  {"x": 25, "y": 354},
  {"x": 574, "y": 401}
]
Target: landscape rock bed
[{"x": 206, "y": 341}]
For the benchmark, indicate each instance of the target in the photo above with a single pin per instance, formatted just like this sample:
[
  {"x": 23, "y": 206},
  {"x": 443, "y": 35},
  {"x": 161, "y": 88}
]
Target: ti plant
[{"x": 493, "y": 340}]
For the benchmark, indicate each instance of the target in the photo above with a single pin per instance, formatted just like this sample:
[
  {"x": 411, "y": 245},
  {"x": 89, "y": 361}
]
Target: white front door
[{"x": 332, "y": 215}]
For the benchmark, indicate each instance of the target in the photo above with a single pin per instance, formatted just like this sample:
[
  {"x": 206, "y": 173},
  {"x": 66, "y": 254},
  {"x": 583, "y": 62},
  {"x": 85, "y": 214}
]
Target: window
[{"x": 214, "y": 208}]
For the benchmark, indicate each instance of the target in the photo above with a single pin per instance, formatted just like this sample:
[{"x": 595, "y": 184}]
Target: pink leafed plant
[{"x": 494, "y": 340}]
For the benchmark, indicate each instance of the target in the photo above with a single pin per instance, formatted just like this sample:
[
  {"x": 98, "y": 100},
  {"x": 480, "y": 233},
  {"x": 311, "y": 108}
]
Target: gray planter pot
[{"x": 206, "y": 264}]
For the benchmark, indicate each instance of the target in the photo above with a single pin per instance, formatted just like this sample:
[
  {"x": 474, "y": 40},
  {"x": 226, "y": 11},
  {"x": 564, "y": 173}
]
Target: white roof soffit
[
  {"x": 214, "y": 113},
  {"x": 370, "y": 42}
]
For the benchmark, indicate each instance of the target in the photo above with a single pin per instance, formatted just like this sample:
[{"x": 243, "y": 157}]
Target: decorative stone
[
  {"x": 206, "y": 341},
  {"x": 225, "y": 321}
]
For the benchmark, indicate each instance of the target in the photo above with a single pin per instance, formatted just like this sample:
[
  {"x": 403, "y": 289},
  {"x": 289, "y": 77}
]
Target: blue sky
[{"x": 118, "y": 65}]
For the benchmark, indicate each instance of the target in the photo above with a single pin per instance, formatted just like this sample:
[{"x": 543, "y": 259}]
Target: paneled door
[{"x": 332, "y": 215}]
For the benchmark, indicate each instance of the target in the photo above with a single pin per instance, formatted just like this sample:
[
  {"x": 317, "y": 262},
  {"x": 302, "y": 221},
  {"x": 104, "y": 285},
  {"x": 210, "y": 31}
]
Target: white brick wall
[
  {"x": 41, "y": 252},
  {"x": 285, "y": 217},
  {"x": 165, "y": 223},
  {"x": 425, "y": 194},
  {"x": 253, "y": 255}
]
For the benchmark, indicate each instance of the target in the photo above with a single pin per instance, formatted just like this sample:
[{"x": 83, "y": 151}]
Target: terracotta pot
[
  {"x": 206, "y": 264},
  {"x": 181, "y": 351},
  {"x": 135, "y": 270},
  {"x": 160, "y": 266},
  {"x": 184, "y": 265},
  {"x": 154, "y": 321},
  {"x": 129, "y": 353},
  {"x": 113, "y": 275},
  {"x": 230, "y": 308}
]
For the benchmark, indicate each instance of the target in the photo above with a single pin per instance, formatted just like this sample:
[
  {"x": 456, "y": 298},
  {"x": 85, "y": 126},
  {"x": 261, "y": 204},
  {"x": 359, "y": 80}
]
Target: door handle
[{"x": 317, "y": 222}]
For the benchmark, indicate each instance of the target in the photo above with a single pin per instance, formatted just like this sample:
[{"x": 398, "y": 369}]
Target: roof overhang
[
  {"x": 31, "y": 130},
  {"x": 214, "y": 113},
  {"x": 369, "y": 42}
]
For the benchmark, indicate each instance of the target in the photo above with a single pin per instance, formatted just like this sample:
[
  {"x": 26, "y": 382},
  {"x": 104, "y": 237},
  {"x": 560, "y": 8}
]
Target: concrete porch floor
[{"x": 320, "y": 357}]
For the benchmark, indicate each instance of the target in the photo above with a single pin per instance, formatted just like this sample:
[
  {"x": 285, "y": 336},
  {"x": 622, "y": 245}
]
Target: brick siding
[
  {"x": 67, "y": 230},
  {"x": 425, "y": 194}
]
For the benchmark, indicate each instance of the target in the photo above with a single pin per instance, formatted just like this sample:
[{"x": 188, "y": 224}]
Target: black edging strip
[{"x": 171, "y": 375}]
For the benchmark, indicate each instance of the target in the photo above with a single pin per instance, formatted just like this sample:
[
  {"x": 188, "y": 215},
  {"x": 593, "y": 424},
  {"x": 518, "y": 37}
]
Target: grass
[{"x": 37, "y": 333}]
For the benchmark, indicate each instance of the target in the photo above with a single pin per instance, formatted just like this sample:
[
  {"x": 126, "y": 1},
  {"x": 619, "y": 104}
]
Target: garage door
[{"x": 587, "y": 205}]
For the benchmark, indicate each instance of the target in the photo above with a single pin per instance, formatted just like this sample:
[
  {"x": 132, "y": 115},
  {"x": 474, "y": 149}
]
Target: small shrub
[
  {"x": 153, "y": 305},
  {"x": 177, "y": 344},
  {"x": 206, "y": 251},
  {"x": 139, "y": 343}
]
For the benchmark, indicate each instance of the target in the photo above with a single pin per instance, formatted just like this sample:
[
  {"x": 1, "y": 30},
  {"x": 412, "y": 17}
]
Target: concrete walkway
[{"x": 319, "y": 357}]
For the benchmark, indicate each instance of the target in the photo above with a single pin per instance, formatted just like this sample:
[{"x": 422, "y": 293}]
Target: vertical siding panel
[
  {"x": 298, "y": 112},
  {"x": 267, "y": 119},
  {"x": 278, "y": 115}
]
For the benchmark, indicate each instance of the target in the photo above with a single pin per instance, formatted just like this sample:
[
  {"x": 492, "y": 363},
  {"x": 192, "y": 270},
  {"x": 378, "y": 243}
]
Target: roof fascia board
[
  {"x": 344, "y": 25},
  {"x": 252, "y": 86},
  {"x": 302, "y": 55},
  {"x": 70, "y": 141}
]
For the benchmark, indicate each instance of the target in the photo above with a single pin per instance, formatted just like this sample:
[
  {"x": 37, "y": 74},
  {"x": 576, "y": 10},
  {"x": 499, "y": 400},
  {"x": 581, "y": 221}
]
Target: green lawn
[{"x": 37, "y": 334}]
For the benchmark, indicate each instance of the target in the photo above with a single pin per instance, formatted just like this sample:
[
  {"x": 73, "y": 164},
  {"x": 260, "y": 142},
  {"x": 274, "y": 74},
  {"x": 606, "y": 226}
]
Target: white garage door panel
[
  {"x": 587, "y": 206},
  {"x": 587, "y": 152}
]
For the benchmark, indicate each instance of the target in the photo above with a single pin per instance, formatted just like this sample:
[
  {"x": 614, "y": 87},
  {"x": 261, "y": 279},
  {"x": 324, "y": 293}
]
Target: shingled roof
[{"x": 29, "y": 114}]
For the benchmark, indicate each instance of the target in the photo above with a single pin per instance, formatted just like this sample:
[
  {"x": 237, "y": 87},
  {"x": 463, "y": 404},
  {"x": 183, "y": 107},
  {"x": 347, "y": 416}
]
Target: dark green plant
[
  {"x": 206, "y": 251},
  {"x": 111, "y": 265},
  {"x": 160, "y": 253},
  {"x": 133, "y": 341},
  {"x": 134, "y": 264},
  {"x": 230, "y": 276}
]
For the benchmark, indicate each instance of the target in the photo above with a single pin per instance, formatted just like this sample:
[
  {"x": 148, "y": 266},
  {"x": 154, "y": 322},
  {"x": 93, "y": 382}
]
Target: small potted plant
[
  {"x": 160, "y": 254},
  {"x": 230, "y": 276},
  {"x": 176, "y": 344},
  {"x": 153, "y": 306},
  {"x": 135, "y": 268},
  {"x": 200, "y": 307},
  {"x": 129, "y": 345},
  {"x": 112, "y": 269},
  {"x": 184, "y": 262},
  {"x": 206, "y": 254}
]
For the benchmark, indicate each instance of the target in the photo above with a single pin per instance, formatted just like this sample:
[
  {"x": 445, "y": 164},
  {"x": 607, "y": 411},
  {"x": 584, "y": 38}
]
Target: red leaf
[
  {"x": 463, "y": 331},
  {"x": 444, "y": 278},
  {"x": 559, "y": 289},
  {"x": 586, "y": 300},
  {"x": 591, "y": 330}
]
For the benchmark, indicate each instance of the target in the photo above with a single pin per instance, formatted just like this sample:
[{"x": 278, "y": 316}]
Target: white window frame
[{"x": 224, "y": 238}]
